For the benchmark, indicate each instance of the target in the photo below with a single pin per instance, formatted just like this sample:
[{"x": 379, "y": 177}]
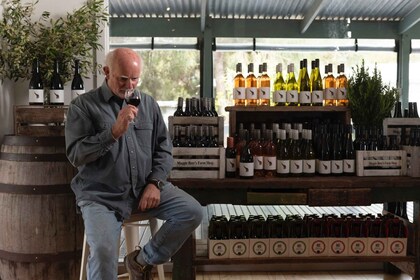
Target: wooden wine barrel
[{"x": 41, "y": 234}]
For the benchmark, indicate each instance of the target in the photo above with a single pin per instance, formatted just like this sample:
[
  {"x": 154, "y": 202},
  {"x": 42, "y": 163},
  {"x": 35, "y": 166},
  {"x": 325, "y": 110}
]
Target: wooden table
[{"x": 312, "y": 191}]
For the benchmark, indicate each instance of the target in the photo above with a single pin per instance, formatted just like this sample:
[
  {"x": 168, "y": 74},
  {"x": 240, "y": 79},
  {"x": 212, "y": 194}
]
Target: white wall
[{"x": 12, "y": 93}]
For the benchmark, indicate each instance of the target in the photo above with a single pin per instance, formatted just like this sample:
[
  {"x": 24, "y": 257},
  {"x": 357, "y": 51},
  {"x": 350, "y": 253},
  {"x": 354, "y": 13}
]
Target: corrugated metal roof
[{"x": 376, "y": 10}]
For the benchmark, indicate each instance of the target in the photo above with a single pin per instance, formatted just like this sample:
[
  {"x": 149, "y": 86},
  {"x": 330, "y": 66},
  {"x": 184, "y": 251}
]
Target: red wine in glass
[{"x": 132, "y": 97}]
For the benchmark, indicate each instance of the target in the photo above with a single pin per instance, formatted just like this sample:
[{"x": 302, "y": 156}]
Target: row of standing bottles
[
  {"x": 196, "y": 107},
  {"x": 191, "y": 136},
  {"x": 324, "y": 149},
  {"x": 56, "y": 86},
  {"x": 410, "y": 112},
  {"x": 307, "y": 90},
  {"x": 311, "y": 225}
]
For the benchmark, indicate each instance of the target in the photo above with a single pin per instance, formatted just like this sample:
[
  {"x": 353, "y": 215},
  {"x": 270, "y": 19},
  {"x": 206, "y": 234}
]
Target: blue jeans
[{"x": 181, "y": 212}]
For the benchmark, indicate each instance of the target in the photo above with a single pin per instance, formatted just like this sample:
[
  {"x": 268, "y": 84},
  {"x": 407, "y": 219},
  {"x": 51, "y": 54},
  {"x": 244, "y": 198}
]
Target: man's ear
[{"x": 106, "y": 71}]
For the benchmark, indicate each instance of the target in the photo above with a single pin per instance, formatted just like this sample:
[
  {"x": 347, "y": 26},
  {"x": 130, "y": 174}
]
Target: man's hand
[
  {"x": 150, "y": 198},
  {"x": 125, "y": 116}
]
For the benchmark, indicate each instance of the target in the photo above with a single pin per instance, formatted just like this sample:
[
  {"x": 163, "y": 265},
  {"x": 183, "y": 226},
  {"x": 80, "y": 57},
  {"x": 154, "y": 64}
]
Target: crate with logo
[{"x": 381, "y": 163}]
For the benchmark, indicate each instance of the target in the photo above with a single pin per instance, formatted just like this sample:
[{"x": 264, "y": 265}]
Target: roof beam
[
  {"x": 310, "y": 15},
  {"x": 410, "y": 20}
]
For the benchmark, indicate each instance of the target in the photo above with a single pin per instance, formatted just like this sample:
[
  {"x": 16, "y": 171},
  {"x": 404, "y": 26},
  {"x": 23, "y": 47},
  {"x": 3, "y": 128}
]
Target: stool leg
[
  {"x": 154, "y": 227},
  {"x": 132, "y": 237},
  {"x": 85, "y": 255}
]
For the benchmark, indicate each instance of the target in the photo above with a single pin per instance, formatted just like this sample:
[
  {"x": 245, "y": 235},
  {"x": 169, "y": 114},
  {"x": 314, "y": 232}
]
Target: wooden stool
[{"x": 132, "y": 237}]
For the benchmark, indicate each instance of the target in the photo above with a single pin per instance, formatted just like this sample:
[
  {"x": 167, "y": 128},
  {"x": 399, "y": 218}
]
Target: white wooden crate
[
  {"x": 198, "y": 163},
  {"x": 393, "y": 126},
  {"x": 381, "y": 163},
  {"x": 413, "y": 160}
]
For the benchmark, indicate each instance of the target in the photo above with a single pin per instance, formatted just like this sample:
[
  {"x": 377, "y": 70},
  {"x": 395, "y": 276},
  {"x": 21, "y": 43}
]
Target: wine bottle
[
  {"x": 189, "y": 141},
  {"x": 282, "y": 155},
  {"x": 397, "y": 110},
  {"x": 269, "y": 155},
  {"x": 323, "y": 157},
  {"x": 330, "y": 90},
  {"x": 311, "y": 76},
  {"x": 349, "y": 156},
  {"x": 77, "y": 85},
  {"x": 188, "y": 105},
  {"x": 230, "y": 156},
  {"x": 213, "y": 143},
  {"x": 36, "y": 87},
  {"x": 176, "y": 142},
  {"x": 264, "y": 90},
  {"x": 213, "y": 107},
  {"x": 309, "y": 155},
  {"x": 239, "y": 87},
  {"x": 292, "y": 98},
  {"x": 56, "y": 86},
  {"x": 296, "y": 162},
  {"x": 251, "y": 87},
  {"x": 317, "y": 96},
  {"x": 246, "y": 161},
  {"x": 341, "y": 82},
  {"x": 279, "y": 94},
  {"x": 179, "y": 112},
  {"x": 336, "y": 153},
  {"x": 305, "y": 90},
  {"x": 256, "y": 147}
]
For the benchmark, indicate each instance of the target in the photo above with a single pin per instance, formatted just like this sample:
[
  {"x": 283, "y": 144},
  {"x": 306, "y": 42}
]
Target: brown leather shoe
[{"x": 135, "y": 270}]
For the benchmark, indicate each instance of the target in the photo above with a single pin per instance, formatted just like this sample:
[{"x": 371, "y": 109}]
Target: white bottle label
[
  {"x": 309, "y": 166},
  {"x": 231, "y": 164},
  {"x": 283, "y": 166},
  {"x": 349, "y": 165},
  {"x": 57, "y": 96},
  {"x": 336, "y": 166},
  {"x": 239, "y": 93},
  {"x": 305, "y": 97},
  {"x": 324, "y": 167},
  {"x": 258, "y": 162},
  {"x": 330, "y": 93},
  {"x": 36, "y": 96},
  {"x": 292, "y": 96},
  {"x": 296, "y": 166},
  {"x": 341, "y": 93},
  {"x": 317, "y": 96},
  {"x": 246, "y": 169},
  {"x": 251, "y": 93},
  {"x": 279, "y": 96},
  {"x": 76, "y": 93},
  {"x": 270, "y": 163},
  {"x": 264, "y": 93}
]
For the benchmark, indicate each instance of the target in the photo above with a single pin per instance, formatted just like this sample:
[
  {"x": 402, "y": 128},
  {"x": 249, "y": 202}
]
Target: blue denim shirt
[{"x": 114, "y": 172}]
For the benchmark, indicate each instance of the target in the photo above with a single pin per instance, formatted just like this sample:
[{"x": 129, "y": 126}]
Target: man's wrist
[{"x": 158, "y": 183}]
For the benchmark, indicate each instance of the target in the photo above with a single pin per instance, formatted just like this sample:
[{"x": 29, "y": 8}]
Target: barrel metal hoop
[
  {"x": 33, "y": 157},
  {"x": 38, "y": 258},
  {"x": 35, "y": 189},
  {"x": 19, "y": 140}
]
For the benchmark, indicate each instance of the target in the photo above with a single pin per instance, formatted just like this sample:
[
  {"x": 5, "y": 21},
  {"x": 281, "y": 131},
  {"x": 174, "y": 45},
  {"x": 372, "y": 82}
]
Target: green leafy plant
[
  {"x": 74, "y": 36},
  {"x": 370, "y": 100}
]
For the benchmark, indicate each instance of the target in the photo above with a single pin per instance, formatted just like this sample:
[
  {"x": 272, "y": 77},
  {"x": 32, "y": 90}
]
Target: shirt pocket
[{"x": 144, "y": 133}]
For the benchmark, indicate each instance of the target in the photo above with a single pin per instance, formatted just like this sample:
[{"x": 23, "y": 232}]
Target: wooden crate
[
  {"x": 393, "y": 126},
  {"x": 413, "y": 160},
  {"x": 216, "y": 122},
  {"x": 198, "y": 163},
  {"x": 40, "y": 120},
  {"x": 381, "y": 163}
]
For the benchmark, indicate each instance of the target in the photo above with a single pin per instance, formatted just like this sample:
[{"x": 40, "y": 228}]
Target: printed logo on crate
[
  {"x": 219, "y": 249},
  {"x": 278, "y": 248},
  {"x": 318, "y": 247},
  {"x": 357, "y": 247}
]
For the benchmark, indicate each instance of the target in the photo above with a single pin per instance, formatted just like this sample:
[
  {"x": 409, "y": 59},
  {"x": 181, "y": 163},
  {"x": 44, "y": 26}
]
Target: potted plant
[
  {"x": 370, "y": 99},
  {"x": 74, "y": 36}
]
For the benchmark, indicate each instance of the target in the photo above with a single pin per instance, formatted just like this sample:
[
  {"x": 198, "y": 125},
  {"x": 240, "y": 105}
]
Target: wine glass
[{"x": 132, "y": 97}]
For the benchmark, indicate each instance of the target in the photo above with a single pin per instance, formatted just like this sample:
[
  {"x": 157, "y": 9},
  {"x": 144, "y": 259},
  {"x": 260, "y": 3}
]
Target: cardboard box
[{"x": 279, "y": 247}]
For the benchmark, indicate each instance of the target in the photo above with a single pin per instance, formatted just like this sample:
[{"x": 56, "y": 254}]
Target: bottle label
[
  {"x": 57, "y": 96},
  {"x": 337, "y": 166},
  {"x": 76, "y": 93},
  {"x": 309, "y": 166},
  {"x": 330, "y": 93},
  {"x": 292, "y": 96},
  {"x": 239, "y": 93},
  {"x": 246, "y": 169},
  {"x": 296, "y": 166},
  {"x": 324, "y": 167},
  {"x": 36, "y": 96},
  {"x": 305, "y": 97},
  {"x": 279, "y": 96},
  {"x": 258, "y": 162},
  {"x": 283, "y": 166},
  {"x": 251, "y": 93},
  {"x": 264, "y": 93},
  {"x": 349, "y": 165},
  {"x": 342, "y": 93},
  {"x": 270, "y": 163},
  {"x": 317, "y": 96},
  {"x": 231, "y": 164}
]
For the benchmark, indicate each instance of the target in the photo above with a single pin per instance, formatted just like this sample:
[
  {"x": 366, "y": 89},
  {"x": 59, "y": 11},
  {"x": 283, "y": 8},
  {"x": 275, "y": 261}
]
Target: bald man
[{"x": 124, "y": 155}]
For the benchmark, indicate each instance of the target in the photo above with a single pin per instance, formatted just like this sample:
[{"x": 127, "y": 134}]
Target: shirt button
[
  {"x": 133, "y": 167},
  {"x": 131, "y": 151}
]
